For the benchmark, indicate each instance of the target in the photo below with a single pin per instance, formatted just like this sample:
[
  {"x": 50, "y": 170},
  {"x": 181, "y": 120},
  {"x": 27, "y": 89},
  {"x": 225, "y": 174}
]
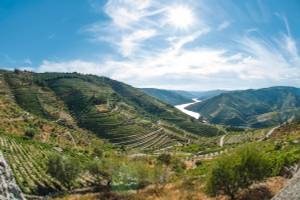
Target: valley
[
  {"x": 149, "y": 100},
  {"x": 118, "y": 142}
]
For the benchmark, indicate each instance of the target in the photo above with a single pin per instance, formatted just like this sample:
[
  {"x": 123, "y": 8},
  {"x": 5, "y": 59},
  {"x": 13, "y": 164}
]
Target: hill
[
  {"x": 107, "y": 108},
  {"x": 201, "y": 95},
  {"x": 167, "y": 96},
  {"x": 177, "y": 97},
  {"x": 254, "y": 108}
]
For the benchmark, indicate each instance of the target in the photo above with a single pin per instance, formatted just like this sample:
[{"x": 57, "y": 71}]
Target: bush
[
  {"x": 98, "y": 152},
  {"x": 199, "y": 163},
  {"x": 164, "y": 159},
  {"x": 64, "y": 169},
  {"x": 30, "y": 132},
  {"x": 238, "y": 170},
  {"x": 98, "y": 170},
  {"x": 142, "y": 173},
  {"x": 178, "y": 165}
]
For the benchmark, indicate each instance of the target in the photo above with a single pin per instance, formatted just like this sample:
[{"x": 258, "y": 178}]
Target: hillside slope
[
  {"x": 201, "y": 95},
  {"x": 177, "y": 97},
  {"x": 167, "y": 96},
  {"x": 110, "y": 109},
  {"x": 255, "y": 108}
]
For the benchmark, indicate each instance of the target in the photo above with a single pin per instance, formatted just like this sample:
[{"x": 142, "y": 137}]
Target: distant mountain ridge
[
  {"x": 254, "y": 108},
  {"x": 176, "y": 97}
]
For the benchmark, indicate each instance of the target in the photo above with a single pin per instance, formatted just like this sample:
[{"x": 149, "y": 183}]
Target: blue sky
[{"x": 175, "y": 44}]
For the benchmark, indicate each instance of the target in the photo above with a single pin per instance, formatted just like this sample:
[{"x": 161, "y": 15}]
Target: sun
[{"x": 180, "y": 17}]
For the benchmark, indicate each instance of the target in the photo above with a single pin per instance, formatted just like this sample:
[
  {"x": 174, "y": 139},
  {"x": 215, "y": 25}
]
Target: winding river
[{"x": 182, "y": 107}]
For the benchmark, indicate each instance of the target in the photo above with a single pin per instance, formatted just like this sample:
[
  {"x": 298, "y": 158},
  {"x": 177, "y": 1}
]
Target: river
[{"x": 182, "y": 107}]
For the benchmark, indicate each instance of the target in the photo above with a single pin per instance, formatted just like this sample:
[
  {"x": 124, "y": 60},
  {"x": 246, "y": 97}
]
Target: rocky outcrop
[
  {"x": 291, "y": 191},
  {"x": 9, "y": 190}
]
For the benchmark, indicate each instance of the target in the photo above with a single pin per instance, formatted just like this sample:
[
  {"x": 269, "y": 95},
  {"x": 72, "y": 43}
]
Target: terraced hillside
[
  {"x": 112, "y": 110},
  {"x": 255, "y": 108},
  {"x": 28, "y": 160}
]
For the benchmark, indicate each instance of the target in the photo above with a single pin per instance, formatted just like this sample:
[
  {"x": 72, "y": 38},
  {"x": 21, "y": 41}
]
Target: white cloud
[
  {"x": 84, "y": 67},
  {"x": 258, "y": 62},
  {"x": 180, "y": 59},
  {"x": 133, "y": 22},
  {"x": 131, "y": 42}
]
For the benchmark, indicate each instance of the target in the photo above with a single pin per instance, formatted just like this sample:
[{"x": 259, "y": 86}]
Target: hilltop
[{"x": 254, "y": 108}]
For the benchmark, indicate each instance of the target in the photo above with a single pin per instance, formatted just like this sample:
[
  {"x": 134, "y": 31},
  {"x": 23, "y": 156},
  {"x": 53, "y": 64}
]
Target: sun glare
[{"x": 180, "y": 17}]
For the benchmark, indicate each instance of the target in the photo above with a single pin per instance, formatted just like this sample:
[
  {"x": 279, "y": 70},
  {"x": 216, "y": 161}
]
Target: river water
[{"x": 182, "y": 107}]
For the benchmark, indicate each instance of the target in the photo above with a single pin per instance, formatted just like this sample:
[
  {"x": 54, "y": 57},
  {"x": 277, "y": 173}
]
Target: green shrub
[
  {"x": 164, "y": 159},
  {"x": 98, "y": 152},
  {"x": 98, "y": 170},
  {"x": 64, "y": 169},
  {"x": 30, "y": 132},
  {"x": 144, "y": 174},
  {"x": 237, "y": 170},
  {"x": 178, "y": 165},
  {"x": 199, "y": 163}
]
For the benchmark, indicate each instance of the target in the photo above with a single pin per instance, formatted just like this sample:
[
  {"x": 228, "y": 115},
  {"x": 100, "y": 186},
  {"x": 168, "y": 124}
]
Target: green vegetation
[
  {"x": 255, "y": 108},
  {"x": 29, "y": 161},
  {"x": 176, "y": 97},
  {"x": 66, "y": 132},
  {"x": 111, "y": 110},
  {"x": 246, "y": 166},
  {"x": 30, "y": 132},
  {"x": 64, "y": 169},
  {"x": 167, "y": 96}
]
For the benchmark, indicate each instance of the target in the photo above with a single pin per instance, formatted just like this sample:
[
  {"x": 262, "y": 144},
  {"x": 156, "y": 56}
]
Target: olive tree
[
  {"x": 238, "y": 170},
  {"x": 64, "y": 169}
]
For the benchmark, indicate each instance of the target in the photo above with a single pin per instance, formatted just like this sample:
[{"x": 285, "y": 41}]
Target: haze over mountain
[{"x": 176, "y": 97}]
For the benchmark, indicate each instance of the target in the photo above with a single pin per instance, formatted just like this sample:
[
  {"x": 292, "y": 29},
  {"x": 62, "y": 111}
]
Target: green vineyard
[{"x": 28, "y": 160}]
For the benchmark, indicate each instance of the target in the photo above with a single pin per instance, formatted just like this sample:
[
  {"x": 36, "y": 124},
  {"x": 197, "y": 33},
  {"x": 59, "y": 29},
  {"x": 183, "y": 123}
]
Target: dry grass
[{"x": 188, "y": 191}]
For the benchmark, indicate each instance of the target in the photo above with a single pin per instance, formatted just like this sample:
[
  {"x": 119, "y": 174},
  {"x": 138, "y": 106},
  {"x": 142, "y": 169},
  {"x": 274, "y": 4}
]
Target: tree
[
  {"x": 237, "y": 170},
  {"x": 64, "y": 169},
  {"x": 144, "y": 174},
  {"x": 97, "y": 169},
  {"x": 164, "y": 159}
]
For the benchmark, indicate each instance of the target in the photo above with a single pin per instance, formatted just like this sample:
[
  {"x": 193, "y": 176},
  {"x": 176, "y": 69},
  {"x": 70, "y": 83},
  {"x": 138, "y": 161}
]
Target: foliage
[
  {"x": 103, "y": 170},
  {"x": 255, "y": 108},
  {"x": 164, "y": 159},
  {"x": 237, "y": 170},
  {"x": 30, "y": 132},
  {"x": 178, "y": 165},
  {"x": 97, "y": 151},
  {"x": 167, "y": 96},
  {"x": 65, "y": 169}
]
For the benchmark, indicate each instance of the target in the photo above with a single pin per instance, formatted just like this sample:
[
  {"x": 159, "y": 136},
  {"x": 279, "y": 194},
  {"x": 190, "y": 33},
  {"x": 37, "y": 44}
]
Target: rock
[
  {"x": 58, "y": 149},
  {"x": 291, "y": 191},
  {"x": 9, "y": 190},
  {"x": 295, "y": 141}
]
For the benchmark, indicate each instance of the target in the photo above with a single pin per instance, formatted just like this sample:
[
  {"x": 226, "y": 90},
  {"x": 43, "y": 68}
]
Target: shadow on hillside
[{"x": 261, "y": 193}]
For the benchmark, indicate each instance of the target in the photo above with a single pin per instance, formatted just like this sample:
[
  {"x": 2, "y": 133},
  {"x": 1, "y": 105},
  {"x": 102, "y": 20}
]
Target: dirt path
[{"x": 222, "y": 141}]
